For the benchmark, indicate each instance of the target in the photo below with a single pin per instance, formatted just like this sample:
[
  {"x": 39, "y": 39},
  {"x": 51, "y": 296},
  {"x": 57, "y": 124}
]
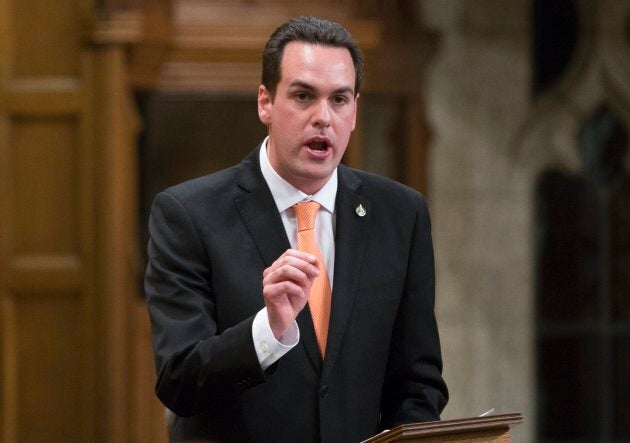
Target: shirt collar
[{"x": 286, "y": 195}]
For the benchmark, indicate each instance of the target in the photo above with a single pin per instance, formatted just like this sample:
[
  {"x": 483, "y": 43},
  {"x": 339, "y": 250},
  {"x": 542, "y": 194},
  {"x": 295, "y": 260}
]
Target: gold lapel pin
[{"x": 360, "y": 210}]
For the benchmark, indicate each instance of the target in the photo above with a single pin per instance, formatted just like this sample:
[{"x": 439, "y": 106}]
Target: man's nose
[{"x": 321, "y": 114}]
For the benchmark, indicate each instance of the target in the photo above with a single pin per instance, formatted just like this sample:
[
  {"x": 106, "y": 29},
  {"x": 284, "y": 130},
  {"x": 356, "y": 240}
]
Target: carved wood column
[{"x": 130, "y": 411}]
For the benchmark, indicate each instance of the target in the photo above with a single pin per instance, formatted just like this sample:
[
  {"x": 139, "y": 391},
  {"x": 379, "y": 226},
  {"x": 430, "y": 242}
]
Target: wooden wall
[
  {"x": 47, "y": 255},
  {"x": 75, "y": 362}
]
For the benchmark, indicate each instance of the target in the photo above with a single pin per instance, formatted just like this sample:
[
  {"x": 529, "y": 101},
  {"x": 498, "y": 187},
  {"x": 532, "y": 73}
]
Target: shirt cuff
[{"x": 268, "y": 349}]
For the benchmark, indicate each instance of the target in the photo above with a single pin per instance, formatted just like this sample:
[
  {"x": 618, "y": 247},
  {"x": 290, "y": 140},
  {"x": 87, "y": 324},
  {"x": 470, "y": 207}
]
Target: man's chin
[{"x": 310, "y": 182}]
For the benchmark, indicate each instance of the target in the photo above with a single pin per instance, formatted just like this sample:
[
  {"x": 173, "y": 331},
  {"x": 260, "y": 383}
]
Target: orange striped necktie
[{"x": 319, "y": 298}]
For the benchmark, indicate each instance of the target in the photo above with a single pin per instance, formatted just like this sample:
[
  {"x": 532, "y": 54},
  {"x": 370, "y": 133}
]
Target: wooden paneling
[
  {"x": 44, "y": 185},
  {"x": 47, "y": 289},
  {"x": 44, "y": 272},
  {"x": 147, "y": 418},
  {"x": 50, "y": 370},
  {"x": 47, "y": 38}
]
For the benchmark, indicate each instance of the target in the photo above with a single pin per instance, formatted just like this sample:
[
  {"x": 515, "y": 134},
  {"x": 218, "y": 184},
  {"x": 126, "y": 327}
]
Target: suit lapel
[
  {"x": 259, "y": 212},
  {"x": 350, "y": 240},
  {"x": 260, "y": 215}
]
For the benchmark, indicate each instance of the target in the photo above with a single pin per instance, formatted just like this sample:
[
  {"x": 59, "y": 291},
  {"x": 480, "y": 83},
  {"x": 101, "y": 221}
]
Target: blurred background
[{"x": 511, "y": 116}]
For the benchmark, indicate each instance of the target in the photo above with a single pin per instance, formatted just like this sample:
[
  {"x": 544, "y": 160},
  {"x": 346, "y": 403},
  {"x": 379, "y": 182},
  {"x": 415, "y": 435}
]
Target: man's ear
[
  {"x": 264, "y": 105},
  {"x": 356, "y": 107}
]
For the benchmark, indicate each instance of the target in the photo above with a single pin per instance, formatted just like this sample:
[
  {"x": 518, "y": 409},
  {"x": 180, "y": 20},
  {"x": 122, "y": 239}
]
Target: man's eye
[
  {"x": 340, "y": 99},
  {"x": 301, "y": 96}
]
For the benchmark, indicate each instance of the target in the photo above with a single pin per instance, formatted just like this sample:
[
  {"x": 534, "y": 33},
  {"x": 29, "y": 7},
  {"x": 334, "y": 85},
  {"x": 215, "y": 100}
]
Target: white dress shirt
[{"x": 285, "y": 195}]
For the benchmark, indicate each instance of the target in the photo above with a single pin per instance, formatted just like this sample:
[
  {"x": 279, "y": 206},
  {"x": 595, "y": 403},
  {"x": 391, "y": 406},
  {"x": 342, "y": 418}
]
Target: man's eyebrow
[
  {"x": 344, "y": 90},
  {"x": 301, "y": 84},
  {"x": 309, "y": 87}
]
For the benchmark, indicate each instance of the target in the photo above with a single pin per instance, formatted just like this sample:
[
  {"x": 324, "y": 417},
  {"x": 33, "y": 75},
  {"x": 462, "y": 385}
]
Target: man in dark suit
[{"x": 238, "y": 353}]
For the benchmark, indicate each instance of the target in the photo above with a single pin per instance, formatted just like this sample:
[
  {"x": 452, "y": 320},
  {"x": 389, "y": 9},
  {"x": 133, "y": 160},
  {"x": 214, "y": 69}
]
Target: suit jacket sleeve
[
  {"x": 197, "y": 364},
  {"x": 414, "y": 389}
]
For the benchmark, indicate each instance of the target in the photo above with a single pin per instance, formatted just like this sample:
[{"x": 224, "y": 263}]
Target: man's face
[{"x": 312, "y": 114}]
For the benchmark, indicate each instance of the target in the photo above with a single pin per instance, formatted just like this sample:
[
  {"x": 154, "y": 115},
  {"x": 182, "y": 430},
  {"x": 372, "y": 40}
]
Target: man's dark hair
[{"x": 308, "y": 30}]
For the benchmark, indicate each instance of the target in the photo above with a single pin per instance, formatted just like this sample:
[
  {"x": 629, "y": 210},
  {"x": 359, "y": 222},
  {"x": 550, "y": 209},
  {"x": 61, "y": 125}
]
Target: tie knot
[{"x": 306, "y": 213}]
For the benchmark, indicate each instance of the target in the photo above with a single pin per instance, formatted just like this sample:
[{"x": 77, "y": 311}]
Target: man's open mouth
[{"x": 320, "y": 144}]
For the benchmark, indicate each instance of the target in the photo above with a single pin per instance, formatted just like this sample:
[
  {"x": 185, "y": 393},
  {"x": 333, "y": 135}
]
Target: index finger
[
  {"x": 303, "y": 261},
  {"x": 301, "y": 255}
]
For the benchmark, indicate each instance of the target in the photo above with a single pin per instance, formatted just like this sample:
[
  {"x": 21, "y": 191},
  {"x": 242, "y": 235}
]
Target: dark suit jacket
[{"x": 211, "y": 239}]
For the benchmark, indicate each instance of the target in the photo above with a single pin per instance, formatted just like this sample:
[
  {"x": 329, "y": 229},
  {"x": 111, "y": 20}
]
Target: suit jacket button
[{"x": 323, "y": 391}]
